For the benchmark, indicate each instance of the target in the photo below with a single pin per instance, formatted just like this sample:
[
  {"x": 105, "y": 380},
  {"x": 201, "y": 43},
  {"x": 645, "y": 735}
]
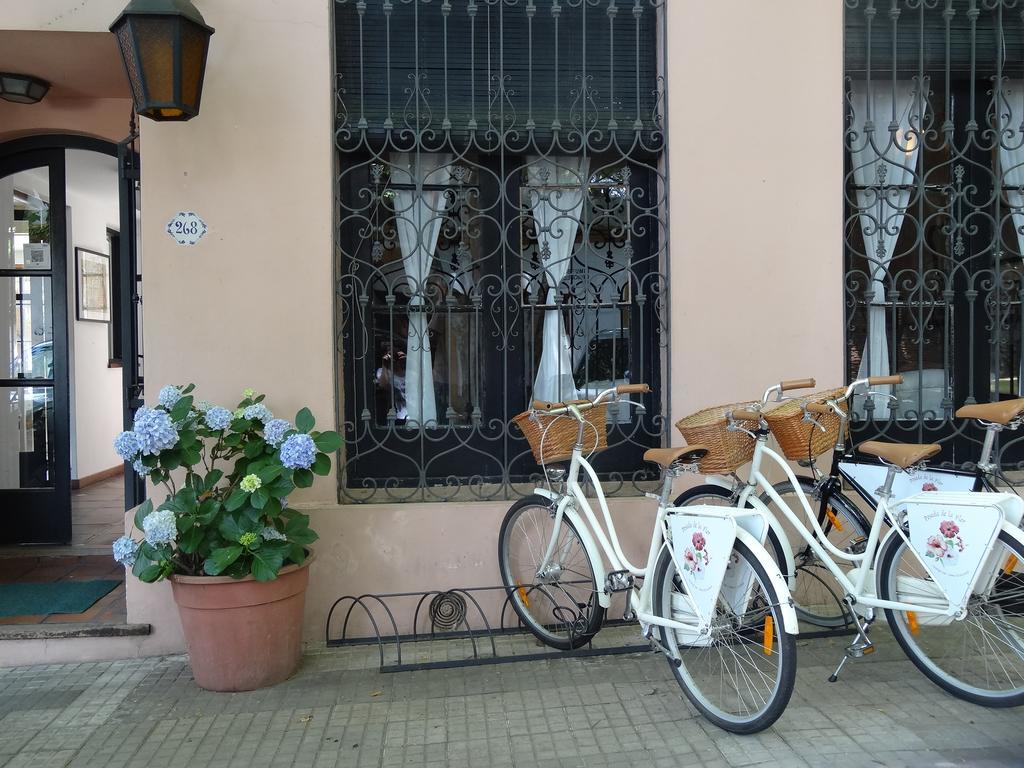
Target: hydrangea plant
[{"x": 228, "y": 474}]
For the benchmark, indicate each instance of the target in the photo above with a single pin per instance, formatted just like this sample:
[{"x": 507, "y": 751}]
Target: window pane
[
  {"x": 26, "y": 437},
  {"x": 25, "y": 220},
  {"x": 26, "y": 326}
]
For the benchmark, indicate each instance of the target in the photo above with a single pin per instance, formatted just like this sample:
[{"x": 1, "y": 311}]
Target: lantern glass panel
[{"x": 156, "y": 54}]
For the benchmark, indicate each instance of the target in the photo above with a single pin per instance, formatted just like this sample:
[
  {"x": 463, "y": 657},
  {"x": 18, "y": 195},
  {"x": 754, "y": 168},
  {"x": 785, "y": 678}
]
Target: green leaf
[
  {"x": 212, "y": 479},
  {"x": 267, "y": 561},
  {"x": 272, "y": 508},
  {"x": 220, "y": 559},
  {"x": 140, "y": 513},
  {"x": 230, "y": 529},
  {"x": 254, "y": 448},
  {"x": 281, "y": 488},
  {"x": 190, "y": 540},
  {"x": 237, "y": 498},
  {"x": 181, "y": 408},
  {"x": 191, "y": 456},
  {"x": 187, "y": 389},
  {"x": 259, "y": 497},
  {"x": 208, "y": 511},
  {"x": 304, "y": 420},
  {"x": 297, "y": 554},
  {"x": 297, "y": 530},
  {"x": 269, "y": 473},
  {"x": 302, "y": 478},
  {"x": 240, "y": 425},
  {"x": 233, "y": 440},
  {"x": 322, "y": 464},
  {"x": 170, "y": 460},
  {"x": 328, "y": 442}
]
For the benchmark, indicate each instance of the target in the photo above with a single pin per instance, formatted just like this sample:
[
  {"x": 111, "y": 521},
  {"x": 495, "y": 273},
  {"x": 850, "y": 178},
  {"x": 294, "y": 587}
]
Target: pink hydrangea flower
[
  {"x": 698, "y": 541},
  {"x": 949, "y": 529}
]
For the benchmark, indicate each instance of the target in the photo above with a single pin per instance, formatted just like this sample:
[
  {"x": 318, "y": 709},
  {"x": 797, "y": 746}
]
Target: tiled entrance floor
[
  {"x": 97, "y": 514},
  {"x": 109, "y": 609}
]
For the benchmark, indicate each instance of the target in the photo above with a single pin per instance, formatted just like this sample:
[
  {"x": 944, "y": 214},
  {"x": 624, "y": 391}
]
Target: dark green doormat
[{"x": 31, "y": 599}]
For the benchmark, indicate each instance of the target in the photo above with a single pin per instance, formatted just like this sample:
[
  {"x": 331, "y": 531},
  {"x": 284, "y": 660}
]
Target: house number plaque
[{"x": 186, "y": 228}]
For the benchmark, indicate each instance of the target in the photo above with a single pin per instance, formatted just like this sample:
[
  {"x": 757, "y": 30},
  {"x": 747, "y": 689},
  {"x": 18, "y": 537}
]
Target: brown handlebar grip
[
  {"x": 821, "y": 408},
  {"x": 875, "y": 381},
  {"x": 632, "y": 389},
  {"x": 743, "y": 414},
  {"x": 796, "y": 384}
]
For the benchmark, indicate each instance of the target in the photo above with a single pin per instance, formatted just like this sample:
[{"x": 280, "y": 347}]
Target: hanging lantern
[{"x": 164, "y": 45}]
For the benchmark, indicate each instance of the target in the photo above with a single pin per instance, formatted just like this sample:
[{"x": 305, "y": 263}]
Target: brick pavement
[{"x": 594, "y": 712}]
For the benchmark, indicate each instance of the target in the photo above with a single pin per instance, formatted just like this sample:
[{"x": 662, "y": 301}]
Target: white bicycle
[
  {"x": 711, "y": 599},
  {"x": 949, "y": 574}
]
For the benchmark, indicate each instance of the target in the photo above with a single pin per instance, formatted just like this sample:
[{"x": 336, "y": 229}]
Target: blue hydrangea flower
[
  {"x": 274, "y": 431},
  {"x": 298, "y": 452},
  {"x": 125, "y": 550},
  {"x": 160, "y": 527},
  {"x": 218, "y": 418},
  {"x": 141, "y": 468},
  {"x": 258, "y": 411},
  {"x": 203, "y": 406},
  {"x": 155, "y": 431},
  {"x": 169, "y": 396},
  {"x": 127, "y": 445},
  {"x": 272, "y": 534}
]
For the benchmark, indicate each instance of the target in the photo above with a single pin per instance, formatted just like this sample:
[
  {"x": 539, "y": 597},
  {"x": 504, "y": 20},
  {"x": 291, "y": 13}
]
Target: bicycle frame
[
  {"x": 857, "y": 588},
  {"x": 602, "y": 544}
]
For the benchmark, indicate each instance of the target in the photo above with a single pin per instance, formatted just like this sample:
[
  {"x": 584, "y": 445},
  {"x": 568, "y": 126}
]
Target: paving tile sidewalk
[{"x": 594, "y": 712}]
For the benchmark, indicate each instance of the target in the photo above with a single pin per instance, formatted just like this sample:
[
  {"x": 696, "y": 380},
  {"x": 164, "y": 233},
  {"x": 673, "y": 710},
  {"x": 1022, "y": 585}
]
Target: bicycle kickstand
[{"x": 861, "y": 645}]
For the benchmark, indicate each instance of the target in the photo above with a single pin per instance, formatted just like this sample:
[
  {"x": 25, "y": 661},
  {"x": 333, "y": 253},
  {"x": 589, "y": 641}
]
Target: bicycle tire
[
  {"x": 1009, "y": 587},
  {"x": 553, "y": 610},
  {"x": 696, "y": 662}
]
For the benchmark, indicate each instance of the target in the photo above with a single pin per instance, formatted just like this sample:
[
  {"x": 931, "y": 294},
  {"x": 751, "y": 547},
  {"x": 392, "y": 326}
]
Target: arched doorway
[{"x": 69, "y": 301}]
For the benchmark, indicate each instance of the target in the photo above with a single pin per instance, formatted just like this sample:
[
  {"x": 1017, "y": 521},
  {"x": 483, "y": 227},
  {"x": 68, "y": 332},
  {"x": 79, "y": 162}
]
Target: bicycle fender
[
  {"x": 1013, "y": 532},
  {"x": 786, "y": 608},
  {"x": 776, "y": 526},
  {"x": 719, "y": 481},
  {"x": 593, "y": 552},
  {"x": 551, "y": 495}
]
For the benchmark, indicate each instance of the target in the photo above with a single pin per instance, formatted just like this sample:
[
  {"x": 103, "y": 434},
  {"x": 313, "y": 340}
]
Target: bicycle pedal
[
  {"x": 859, "y": 650},
  {"x": 618, "y": 581}
]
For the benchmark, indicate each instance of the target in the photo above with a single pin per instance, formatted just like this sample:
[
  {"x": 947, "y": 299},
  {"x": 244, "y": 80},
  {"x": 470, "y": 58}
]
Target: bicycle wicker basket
[
  {"x": 801, "y": 440},
  {"x": 727, "y": 450},
  {"x": 551, "y": 438}
]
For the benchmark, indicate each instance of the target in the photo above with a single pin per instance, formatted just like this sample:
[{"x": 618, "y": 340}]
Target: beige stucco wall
[{"x": 755, "y": 163}]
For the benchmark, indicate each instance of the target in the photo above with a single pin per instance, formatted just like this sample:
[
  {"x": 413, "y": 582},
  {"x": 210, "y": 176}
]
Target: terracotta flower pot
[{"x": 242, "y": 633}]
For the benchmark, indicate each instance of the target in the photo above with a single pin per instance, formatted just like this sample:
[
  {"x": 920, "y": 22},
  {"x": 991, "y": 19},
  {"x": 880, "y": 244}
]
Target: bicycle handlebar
[
  {"x": 785, "y": 386},
  {"x": 569, "y": 406}
]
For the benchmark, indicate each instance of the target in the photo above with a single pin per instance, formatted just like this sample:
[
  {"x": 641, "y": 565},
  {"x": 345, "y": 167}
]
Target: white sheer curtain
[
  {"x": 557, "y": 187},
  {"x": 419, "y": 214},
  {"x": 883, "y": 170},
  {"x": 1011, "y": 166}
]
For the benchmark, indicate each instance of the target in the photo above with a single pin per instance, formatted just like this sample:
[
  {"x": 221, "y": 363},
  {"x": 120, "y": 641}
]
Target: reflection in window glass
[{"x": 26, "y": 437}]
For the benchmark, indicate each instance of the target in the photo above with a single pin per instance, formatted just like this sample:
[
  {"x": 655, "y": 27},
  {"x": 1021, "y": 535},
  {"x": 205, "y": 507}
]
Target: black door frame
[
  {"x": 127, "y": 284},
  {"x": 43, "y": 515}
]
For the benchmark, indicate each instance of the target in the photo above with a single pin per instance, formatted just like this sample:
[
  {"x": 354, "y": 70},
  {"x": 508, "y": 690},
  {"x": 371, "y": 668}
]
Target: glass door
[{"x": 35, "y": 469}]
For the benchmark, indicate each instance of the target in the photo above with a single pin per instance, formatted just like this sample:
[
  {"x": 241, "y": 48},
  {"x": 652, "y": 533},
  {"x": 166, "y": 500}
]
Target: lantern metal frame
[{"x": 175, "y": 13}]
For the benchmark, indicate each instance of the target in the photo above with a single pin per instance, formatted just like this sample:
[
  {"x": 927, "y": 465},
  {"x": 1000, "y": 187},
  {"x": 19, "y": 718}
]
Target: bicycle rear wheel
[
  {"x": 559, "y": 605},
  {"x": 979, "y": 658},
  {"x": 741, "y": 677}
]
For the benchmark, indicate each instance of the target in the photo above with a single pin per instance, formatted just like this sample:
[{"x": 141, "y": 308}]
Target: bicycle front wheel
[
  {"x": 741, "y": 677},
  {"x": 979, "y": 658},
  {"x": 557, "y": 602},
  {"x": 817, "y": 594}
]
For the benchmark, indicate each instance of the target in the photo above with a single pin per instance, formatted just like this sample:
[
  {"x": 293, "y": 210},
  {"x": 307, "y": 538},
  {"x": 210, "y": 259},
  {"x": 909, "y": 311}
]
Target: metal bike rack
[{"x": 456, "y": 614}]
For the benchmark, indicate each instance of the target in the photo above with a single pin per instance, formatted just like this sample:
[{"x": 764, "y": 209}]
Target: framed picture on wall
[{"x": 92, "y": 278}]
